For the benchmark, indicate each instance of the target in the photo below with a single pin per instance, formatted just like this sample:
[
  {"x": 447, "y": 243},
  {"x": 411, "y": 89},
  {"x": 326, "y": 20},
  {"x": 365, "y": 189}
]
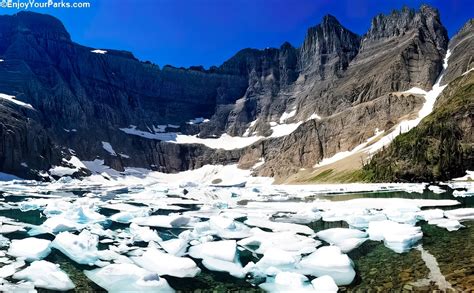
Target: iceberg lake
[{"x": 189, "y": 237}]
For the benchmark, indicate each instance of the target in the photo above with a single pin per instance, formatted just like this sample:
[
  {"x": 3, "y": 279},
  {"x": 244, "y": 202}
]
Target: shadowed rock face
[{"x": 345, "y": 78}]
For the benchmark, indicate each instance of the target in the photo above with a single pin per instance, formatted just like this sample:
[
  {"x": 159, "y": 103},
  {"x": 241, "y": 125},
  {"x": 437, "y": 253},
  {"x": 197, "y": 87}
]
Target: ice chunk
[
  {"x": 362, "y": 221},
  {"x": 279, "y": 227},
  {"x": 345, "y": 239},
  {"x": 287, "y": 282},
  {"x": 224, "y": 250},
  {"x": 275, "y": 258},
  {"x": 164, "y": 221},
  {"x": 127, "y": 278},
  {"x": 80, "y": 248},
  {"x": 44, "y": 274},
  {"x": 30, "y": 248},
  {"x": 55, "y": 225},
  {"x": 176, "y": 246},
  {"x": 288, "y": 241},
  {"x": 25, "y": 287},
  {"x": 233, "y": 268},
  {"x": 324, "y": 284},
  {"x": 429, "y": 215},
  {"x": 329, "y": 260},
  {"x": 228, "y": 228},
  {"x": 7, "y": 228},
  {"x": 167, "y": 264},
  {"x": 436, "y": 189},
  {"x": 10, "y": 269},
  {"x": 126, "y": 217},
  {"x": 403, "y": 214},
  {"x": 460, "y": 214},
  {"x": 448, "y": 224},
  {"x": 398, "y": 237},
  {"x": 143, "y": 233}
]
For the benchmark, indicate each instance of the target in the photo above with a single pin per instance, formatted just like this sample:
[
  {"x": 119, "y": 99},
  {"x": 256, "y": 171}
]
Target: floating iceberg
[
  {"x": 329, "y": 260},
  {"x": 167, "y": 264},
  {"x": 276, "y": 259},
  {"x": 223, "y": 250},
  {"x": 287, "y": 282},
  {"x": 398, "y": 237},
  {"x": 163, "y": 221},
  {"x": 44, "y": 274},
  {"x": 461, "y": 214},
  {"x": 287, "y": 241},
  {"x": 127, "y": 278},
  {"x": 345, "y": 239},
  {"x": 324, "y": 284},
  {"x": 80, "y": 248},
  {"x": 30, "y": 249}
]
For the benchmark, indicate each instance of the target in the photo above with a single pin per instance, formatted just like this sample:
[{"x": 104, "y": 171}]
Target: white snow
[
  {"x": 426, "y": 109},
  {"x": 314, "y": 116},
  {"x": 198, "y": 120},
  {"x": 416, "y": 91},
  {"x": 280, "y": 130},
  {"x": 12, "y": 99},
  {"x": 225, "y": 141},
  {"x": 97, "y": 51},
  {"x": 63, "y": 171},
  {"x": 44, "y": 274},
  {"x": 467, "y": 71},
  {"x": 287, "y": 115},
  {"x": 341, "y": 155},
  {"x": 108, "y": 147},
  {"x": 30, "y": 249},
  {"x": 402, "y": 127}
]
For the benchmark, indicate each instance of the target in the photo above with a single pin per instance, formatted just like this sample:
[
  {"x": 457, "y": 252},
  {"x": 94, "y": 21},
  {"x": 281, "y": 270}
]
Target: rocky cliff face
[{"x": 338, "y": 88}]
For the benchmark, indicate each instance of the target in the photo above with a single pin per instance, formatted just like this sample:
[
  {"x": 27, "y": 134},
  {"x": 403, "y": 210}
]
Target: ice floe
[
  {"x": 44, "y": 274},
  {"x": 30, "y": 249},
  {"x": 329, "y": 260},
  {"x": 128, "y": 278},
  {"x": 81, "y": 248},
  {"x": 398, "y": 237},
  {"x": 167, "y": 264},
  {"x": 345, "y": 239}
]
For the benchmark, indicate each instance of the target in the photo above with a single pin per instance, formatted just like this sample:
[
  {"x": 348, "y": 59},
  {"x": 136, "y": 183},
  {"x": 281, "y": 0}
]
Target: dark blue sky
[{"x": 207, "y": 32}]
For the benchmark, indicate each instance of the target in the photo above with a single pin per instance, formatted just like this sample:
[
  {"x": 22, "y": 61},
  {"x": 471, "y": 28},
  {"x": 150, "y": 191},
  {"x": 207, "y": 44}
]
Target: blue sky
[{"x": 207, "y": 32}]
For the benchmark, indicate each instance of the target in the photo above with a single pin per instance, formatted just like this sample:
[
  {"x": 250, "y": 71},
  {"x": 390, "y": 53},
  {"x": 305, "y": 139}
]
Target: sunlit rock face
[{"x": 326, "y": 96}]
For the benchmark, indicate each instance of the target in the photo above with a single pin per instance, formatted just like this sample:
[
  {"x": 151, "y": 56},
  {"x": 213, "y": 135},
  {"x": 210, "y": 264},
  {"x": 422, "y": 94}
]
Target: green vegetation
[
  {"x": 332, "y": 176},
  {"x": 441, "y": 147}
]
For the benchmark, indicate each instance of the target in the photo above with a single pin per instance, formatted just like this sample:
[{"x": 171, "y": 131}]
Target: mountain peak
[{"x": 42, "y": 25}]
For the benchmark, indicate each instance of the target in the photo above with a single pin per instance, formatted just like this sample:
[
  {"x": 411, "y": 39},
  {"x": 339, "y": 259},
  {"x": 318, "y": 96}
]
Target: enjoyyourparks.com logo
[{"x": 30, "y": 4}]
